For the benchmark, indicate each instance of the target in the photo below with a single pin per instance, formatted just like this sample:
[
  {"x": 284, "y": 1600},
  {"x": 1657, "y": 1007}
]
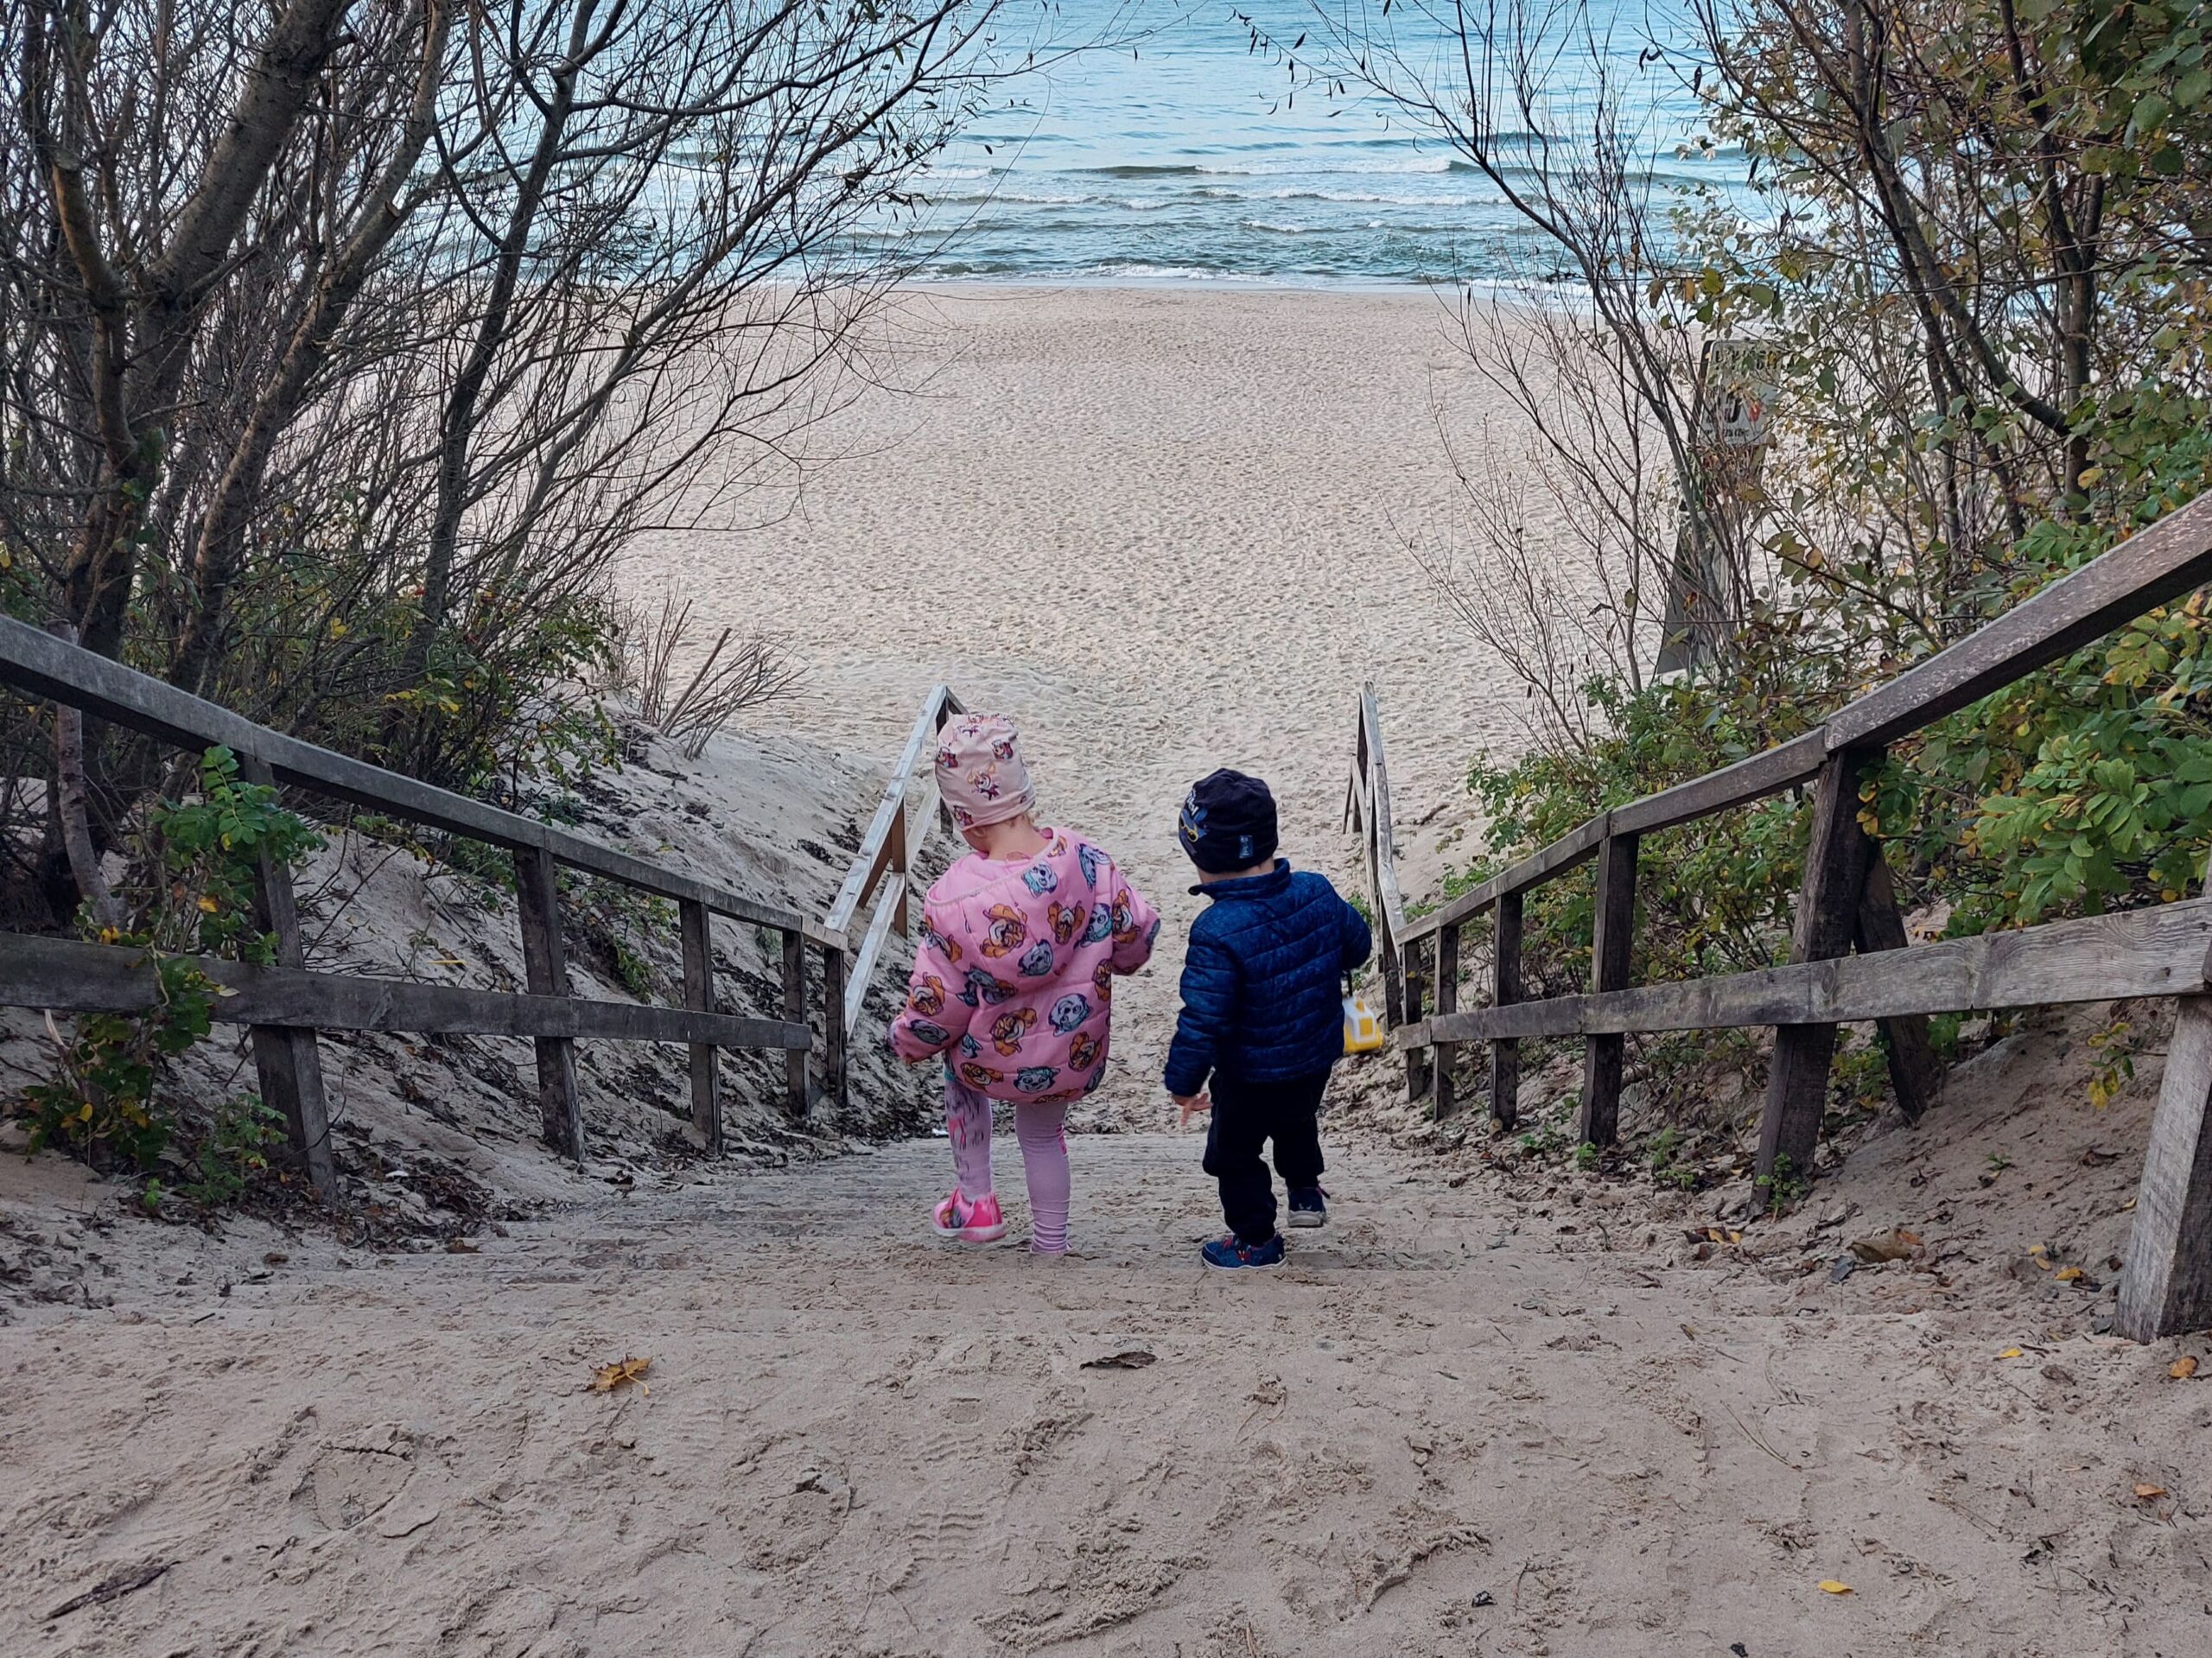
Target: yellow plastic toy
[{"x": 1363, "y": 1032}]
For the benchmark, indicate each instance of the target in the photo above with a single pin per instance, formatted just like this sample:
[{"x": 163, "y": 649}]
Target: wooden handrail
[
  {"x": 286, "y": 1004},
  {"x": 2169, "y": 558},
  {"x": 880, "y": 872},
  {"x": 66, "y": 975},
  {"x": 48, "y": 666},
  {"x": 1847, "y": 902},
  {"x": 2155, "y": 952}
]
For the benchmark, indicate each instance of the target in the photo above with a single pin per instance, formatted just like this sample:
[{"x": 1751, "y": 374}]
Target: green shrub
[{"x": 191, "y": 893}]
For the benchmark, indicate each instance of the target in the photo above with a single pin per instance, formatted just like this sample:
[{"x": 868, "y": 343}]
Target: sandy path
[
  {"x": 1452, "y": 1425},
  {"x": 1163, "y": 527}
]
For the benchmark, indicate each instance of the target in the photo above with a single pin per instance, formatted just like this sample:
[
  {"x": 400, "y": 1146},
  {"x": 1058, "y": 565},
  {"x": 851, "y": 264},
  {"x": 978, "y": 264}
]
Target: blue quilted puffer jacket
[{"x": 1263, "y": 1000}]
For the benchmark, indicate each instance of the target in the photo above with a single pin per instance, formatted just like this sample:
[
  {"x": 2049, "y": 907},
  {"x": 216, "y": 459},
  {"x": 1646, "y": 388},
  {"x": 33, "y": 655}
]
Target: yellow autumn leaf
[
  {"x": 2183, "y": 1368},
  {"x": 606, "y": 1378},
  {"x": 2147, "y": 1492},
  {"x": 208, "y": 905},
  {"x": 1831, "y": 1586},
  {"x": 2009, "y": 1353},
  {"x": 2067, "y": 1275}
]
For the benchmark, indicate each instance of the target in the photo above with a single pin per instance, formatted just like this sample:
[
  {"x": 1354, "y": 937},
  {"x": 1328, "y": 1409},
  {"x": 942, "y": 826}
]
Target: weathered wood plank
[
  {"x": 863, "y": 965},
  {"x": 1447, "y": 1002},
  {"x": 69, "y": 976},
  {"x": 1836, "y": 859},
  {"x": 1915, "y": 1074},
  {"x": 1420, "y": 1062},
  {"x": 632, "y": 871},
  {"x": 2162, "y": 561},
  {"x": 1613, "y": 931},
  {"x": 796, "y": 1058},
  {"x": 874, "y": 857},
  {"x": 2166, "y": 1287},
  {"x": 1505, "y": 989},
  {"x": 1382, "y": 826},
  {"x": 545, "y": 968},
  {"x": 286, "y": 1060},
  {"x": 699, "y": 996},
  {"x": 1768, "y": 772},
  {"x": 836, "y": 1077},
  {"x": 1562, "y": 855},
  {"x": 2154, "y": 952}
]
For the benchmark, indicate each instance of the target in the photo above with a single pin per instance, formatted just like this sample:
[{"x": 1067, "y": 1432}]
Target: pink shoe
[{"x": 976, "y": 1222}]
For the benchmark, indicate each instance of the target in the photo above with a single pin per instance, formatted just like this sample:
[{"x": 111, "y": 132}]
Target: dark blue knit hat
[{"x": 1228, "y": 823}]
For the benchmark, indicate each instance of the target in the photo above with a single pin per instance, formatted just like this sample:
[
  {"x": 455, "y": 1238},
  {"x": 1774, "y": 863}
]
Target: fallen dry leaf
[
  {"x": 2009, "y": 1353},
  {"x": 1831, "y": 1586},
  {"x": 1893, "y": 1245},
  {"x": 2183, "y": 1368},
  {"x": 2067, "y": 1275},
  {"x": 606, "y": 1378},
  {"x": 2147, "y": 1492},
  {"x": 1136, "y": 1359}
]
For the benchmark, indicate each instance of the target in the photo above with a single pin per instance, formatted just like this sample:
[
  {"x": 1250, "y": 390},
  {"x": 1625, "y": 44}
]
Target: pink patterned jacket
[{"x": 1013, "y": 978}]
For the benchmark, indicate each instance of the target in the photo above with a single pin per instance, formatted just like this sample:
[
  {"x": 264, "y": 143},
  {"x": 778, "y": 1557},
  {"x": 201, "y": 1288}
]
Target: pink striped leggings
[{"x": 1042, "y": 1130}]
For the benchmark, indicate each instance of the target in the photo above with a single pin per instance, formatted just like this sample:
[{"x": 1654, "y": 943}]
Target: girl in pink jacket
[{"x": 1014, "y": 979}]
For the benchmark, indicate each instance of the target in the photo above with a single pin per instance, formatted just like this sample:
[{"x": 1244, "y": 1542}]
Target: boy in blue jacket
[{"x": 1262, "y": 1013}]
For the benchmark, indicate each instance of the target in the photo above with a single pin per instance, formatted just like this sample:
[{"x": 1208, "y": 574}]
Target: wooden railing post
[
  {"x": 795, "y": 1066},
  {"x": 1915, "y": 1074},
  {"x": 546, "y": 971},
  {"x": 1505, "y": 1053},
  {"x": 836, "y": 1081},
  {"x": 899, "y": 867},
  {"x": 1828, "y": 904},
  {"x": 1444, "y": 1054},
  {"x": 699, "y": 996},
  {"x": 2166, "y": 1285},
  {"x": 286, "y": 1060},
  {"x": 1613, "y": 930},
  {"x": 1420, "y": 1062}
]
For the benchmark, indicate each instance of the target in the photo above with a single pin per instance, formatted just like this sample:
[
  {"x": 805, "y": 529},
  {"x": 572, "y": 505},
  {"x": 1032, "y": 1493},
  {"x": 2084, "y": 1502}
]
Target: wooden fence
[
  {"x": 1846, "y": 904},
  {"x": 286, "y": 1004},
  {"x": 881, "y": 871}
]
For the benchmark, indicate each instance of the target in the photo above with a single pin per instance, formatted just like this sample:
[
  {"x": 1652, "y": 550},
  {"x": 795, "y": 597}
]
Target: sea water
[{"x": 1192, "y": 154}]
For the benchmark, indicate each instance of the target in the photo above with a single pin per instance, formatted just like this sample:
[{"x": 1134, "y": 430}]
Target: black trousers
[{"x": 1246, "y": 1116}]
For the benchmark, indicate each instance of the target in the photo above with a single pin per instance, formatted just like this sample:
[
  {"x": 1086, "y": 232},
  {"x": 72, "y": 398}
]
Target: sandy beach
[
  {"x": 1501, "y": 1406},
  {"x": 1165, "y": 528}
]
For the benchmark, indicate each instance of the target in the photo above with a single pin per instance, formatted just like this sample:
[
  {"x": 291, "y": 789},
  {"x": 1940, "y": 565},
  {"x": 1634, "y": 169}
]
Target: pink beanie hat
[{"x": 979, "y": 773}]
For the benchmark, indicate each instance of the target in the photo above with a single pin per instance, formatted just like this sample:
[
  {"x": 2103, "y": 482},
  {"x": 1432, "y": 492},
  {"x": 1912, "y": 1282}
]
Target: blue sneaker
[
  {"x": 1231, "y": 1254},
  {"x": 1309, "y": 1206}
]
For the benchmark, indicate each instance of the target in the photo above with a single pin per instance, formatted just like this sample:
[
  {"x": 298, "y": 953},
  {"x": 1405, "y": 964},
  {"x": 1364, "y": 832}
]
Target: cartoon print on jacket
[
  {"x": 980, "y": 1076},
  {"x": 1007, "y": 933},
  {"x": 1070, "y": 1012},
  {"x": 1092, "y": 860},
  {"x": 1037, "y": 961},
  {"x": 935, "y": 1035},
  {"x": 932, "y": 939},
  {"x": 1065, "y": 921},
  {"x": 1009, "y": 1029},
  {"x": 1102, "y": 980},
  {"x": 969, "y": 1048},
  {"x": 983, "y": 986},
  {"x": 1040, "y": 878},
  {"x": 1035, "y": 1079},
  {"x": 1102, "y": 923},
  {"x": 927, "y": 996},
  {"x": 1084, "y": 1052}
]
